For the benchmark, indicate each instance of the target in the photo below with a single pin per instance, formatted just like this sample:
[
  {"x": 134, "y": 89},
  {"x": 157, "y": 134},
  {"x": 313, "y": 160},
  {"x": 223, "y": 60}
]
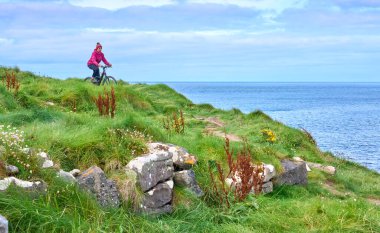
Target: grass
[{"x": 43, "y": 109}]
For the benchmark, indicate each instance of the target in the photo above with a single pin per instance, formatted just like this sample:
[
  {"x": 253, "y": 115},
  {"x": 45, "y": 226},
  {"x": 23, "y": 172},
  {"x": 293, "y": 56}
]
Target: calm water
[{"x": 344, "y": 118}]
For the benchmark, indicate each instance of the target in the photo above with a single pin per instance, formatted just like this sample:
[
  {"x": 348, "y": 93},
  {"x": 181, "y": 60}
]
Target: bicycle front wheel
[{"x": 109, "y": 80}]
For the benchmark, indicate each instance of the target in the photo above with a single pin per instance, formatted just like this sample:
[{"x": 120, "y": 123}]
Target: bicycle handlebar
[{"x": 106, "y": 66}]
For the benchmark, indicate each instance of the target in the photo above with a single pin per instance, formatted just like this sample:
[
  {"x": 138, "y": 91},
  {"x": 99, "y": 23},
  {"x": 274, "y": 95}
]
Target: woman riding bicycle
[{"x": 94, "y": 62}]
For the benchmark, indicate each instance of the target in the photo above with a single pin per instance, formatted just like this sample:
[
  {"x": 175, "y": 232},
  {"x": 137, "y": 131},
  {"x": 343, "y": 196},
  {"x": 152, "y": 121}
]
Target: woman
[{"x": 94, "y": 62}]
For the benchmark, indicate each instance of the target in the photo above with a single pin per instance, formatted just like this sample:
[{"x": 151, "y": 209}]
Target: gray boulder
[
  {"x": 187, "y": 179},
  {"x": 182, "y": 159},
  {"x": 267, "y": 187},
  {"x": 152, "y": 169},
  {"x": 94, "y": 181},
  {"x": 3, "y": 224},
  {"x": 294, "y": 173},
  {"x": 11, "y": 170},
  {"x": 66, "y": 176},
  {"x": 158, "y": 197}
]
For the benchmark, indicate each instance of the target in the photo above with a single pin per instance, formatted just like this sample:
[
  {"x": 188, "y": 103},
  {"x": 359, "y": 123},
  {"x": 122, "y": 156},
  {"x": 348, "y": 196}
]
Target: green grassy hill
[{"x": 61, "y": 118}]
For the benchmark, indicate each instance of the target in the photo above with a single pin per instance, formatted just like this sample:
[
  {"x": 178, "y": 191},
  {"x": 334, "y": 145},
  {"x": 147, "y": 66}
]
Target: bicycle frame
[
  {"x": 103, "y": 73},
  {"x": 103, "y": 79}
]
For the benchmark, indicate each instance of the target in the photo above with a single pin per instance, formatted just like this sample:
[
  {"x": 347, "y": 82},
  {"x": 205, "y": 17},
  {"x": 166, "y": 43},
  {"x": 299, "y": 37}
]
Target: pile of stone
[{"x": 157, "y": 172}]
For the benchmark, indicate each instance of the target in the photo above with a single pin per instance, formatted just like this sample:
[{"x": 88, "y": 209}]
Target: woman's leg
[{"x": 96, "y": 71}]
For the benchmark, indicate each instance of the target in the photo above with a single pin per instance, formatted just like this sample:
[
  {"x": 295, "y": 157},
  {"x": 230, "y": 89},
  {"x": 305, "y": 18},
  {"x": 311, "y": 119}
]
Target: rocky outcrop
[
  {"x": 183, "y": 162},
  {"x": 94, "y": 181},
  {"x": 294, "y": 173},
  {"x": 152, "y": 169},
  {"x": 158, "y": 200},
  {"x": 154, "y": 173},
  {"x": 182, "y": 159},
  {"x": 3, "y": 224},
  {"x": 186, "y": 178},
  {"x": 26, "y": 185}
]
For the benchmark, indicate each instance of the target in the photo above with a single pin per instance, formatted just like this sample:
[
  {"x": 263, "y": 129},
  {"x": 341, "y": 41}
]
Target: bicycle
[{"x": 104, "y": 78}]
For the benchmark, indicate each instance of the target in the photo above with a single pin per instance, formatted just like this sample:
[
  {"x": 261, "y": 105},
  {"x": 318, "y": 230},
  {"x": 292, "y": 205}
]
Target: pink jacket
[{"x": 97, "y": 57}]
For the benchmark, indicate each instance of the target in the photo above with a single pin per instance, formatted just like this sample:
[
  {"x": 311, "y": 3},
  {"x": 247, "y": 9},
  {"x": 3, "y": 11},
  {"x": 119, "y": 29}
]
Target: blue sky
[{"x": 196, "y": 40}]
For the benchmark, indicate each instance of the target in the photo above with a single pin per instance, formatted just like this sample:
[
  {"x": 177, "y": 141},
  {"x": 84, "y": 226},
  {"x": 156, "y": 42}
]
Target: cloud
[
  {"x": 268, "y": 5},
  {"x": 119, "y": 4}
]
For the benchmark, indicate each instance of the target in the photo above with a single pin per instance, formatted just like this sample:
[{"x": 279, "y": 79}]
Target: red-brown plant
[
  {"x": 11, "y": 82},
  {"x": 246, "y": 176},
  {"x": 105, "y": 104}
]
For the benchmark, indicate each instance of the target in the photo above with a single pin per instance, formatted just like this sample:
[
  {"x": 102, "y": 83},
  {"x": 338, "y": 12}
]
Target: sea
[{"x": 344, "y": 118}]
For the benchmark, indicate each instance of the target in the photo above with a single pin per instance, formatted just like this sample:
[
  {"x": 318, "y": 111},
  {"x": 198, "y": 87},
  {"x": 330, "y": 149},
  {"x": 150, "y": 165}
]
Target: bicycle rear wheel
[{"x": 109, "y": 80}]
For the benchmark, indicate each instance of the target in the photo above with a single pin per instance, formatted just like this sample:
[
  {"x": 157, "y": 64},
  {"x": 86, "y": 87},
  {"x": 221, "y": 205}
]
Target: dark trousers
[{"x": 95, "y": 69}]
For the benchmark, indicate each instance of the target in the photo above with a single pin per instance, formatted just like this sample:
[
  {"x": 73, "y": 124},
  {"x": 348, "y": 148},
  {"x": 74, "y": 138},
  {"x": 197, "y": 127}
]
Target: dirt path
[
  {"x": 330, "y": 186},
  {"x": 213, "y": 128}
]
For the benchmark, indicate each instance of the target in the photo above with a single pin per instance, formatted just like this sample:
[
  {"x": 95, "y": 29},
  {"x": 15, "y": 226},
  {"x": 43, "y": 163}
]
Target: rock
[
  {"x": 27, "y": 185},
  {"x": 159, "y": 196},
  {"x": 75, "y": 172},
  {"x": 3, "y": 224},
  {"x": 152, "y": 169},
  {"x": 166, "y": 209},
  {"x": 11, "y": 170},
  {"x": 187, "y": 179},
  {"x": 47, "y": 163},
  {"x": 66, "y": 176},
  {"x": 267, "y": 187},
  {"x": 94, "y": 181},
  {"x": 328, "y": 169},
  {"x": 269, "y": 172},
  {"x": 294, "y": 173},
  {"x": 27, "y": 150},
  {"x": 298, "y": 159},
  {"x": 181, "y": 158},
  {"x": 43, "y": 155}
]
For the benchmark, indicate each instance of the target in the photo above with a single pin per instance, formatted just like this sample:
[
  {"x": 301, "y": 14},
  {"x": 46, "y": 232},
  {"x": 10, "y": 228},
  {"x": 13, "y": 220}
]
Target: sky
[{"x": 196, "y": 40}]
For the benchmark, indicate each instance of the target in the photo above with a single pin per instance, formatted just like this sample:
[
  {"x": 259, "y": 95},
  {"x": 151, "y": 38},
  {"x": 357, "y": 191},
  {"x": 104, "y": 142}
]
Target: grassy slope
[{"x": 82, "y": 138}]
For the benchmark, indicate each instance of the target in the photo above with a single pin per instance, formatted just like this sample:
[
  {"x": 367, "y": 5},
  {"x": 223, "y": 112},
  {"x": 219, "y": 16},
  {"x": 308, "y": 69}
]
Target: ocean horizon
[{"x": 343, "y": 117}]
